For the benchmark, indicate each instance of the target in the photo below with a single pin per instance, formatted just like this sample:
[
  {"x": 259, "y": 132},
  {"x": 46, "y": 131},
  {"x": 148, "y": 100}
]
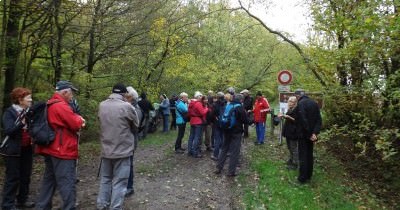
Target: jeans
[
  {"x": 181, "y": 133},
  {"x": 218, "y": 140},
  {"x": 114, "y": 174},
  {"x": 260, "y": 130},
  {"x": 131, "y": 175},
  {"x": 60, "y": 174},
  {"x": 232, "y": 144},
  {"x": 194, "y": 139},
  {"x": 17, "y": 178},
  {"x": 165, "y": 123}
]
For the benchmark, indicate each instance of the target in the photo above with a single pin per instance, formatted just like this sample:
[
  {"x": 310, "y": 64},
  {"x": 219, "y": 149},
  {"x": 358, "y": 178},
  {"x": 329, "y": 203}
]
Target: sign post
[{"x": 284, "y": 78}]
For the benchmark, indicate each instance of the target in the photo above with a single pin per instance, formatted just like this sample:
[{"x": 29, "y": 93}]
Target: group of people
[
  {"x": 205, "y": 114},
  {"x": 59, "y": 157},
  {"x": 120, "y": 116},
  {"x": 302, "y": 124},
  {"x": 123, "y": 117}
]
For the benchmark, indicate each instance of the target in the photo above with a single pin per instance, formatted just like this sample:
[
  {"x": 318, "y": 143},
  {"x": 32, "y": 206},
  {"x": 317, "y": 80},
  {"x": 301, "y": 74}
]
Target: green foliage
[{"x": 277, "y": 188}]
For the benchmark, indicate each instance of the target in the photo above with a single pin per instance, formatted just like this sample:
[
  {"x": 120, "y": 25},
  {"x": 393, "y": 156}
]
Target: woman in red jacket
[{"x": 261, "y": 108}]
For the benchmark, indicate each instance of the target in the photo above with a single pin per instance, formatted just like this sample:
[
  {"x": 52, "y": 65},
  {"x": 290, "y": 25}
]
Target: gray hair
[
  {"x": 132, "y": 92},
  {"x": 183, "y": 94}
]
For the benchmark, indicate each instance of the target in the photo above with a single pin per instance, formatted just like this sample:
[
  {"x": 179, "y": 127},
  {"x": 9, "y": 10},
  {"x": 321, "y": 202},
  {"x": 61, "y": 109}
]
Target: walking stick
[{"x": 77, "y": 160}]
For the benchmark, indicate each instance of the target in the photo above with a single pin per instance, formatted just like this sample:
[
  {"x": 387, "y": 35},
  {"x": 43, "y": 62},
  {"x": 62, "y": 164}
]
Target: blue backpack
[{"x": 228, "y": 119}]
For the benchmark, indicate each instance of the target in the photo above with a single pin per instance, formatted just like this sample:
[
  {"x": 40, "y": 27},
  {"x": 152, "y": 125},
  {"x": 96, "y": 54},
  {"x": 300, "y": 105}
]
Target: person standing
[
  {"x": 165, "y": 111},
  {"x": 197, "y": 112},
  {"x": 117, "y": 120},
  {"x": 290, "y": 132},
  {"x": 181, "y": 111},
  {"x": 218, "y": 110},
  {"x": 233, "y": 137},
  {"x": 310, "y": 122},
  {"x": 172, "y": 107},
  {"x": 132, "y": 98},
  {"x": 17, "y": 151},
  {"x": 261, "y": 108},
  {"x": 248, "y": 106},
  {"x": 146, "y": 107},
  {"x": 61, "y": 155}
]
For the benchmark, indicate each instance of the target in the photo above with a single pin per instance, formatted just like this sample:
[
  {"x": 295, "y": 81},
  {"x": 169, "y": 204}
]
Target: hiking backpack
[
  {"x": 38, "y": 126},
  {"x": 228, "y": 118}
]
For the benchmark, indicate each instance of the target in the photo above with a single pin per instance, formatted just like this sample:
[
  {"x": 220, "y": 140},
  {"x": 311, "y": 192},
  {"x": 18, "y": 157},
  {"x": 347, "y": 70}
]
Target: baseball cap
[
  {"x": 64, "y": 84},
  {"x": 119, "y": 88}
]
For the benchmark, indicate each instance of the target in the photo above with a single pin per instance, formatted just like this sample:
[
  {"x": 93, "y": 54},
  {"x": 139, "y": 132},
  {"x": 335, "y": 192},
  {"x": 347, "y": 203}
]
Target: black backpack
[{"x": 38, "y": 127}]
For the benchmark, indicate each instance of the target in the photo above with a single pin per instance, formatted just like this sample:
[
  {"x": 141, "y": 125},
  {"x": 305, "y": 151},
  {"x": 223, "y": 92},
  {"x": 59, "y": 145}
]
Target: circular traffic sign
[{"x": 284, "y": 77}]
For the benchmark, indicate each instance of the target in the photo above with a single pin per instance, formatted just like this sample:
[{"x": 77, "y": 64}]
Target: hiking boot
[
  {"x": 26, "y": 204},
  {"x": 179, "y": 151},
  {"x": 214, "y": 158},
  {"x": 231, "y": 174},
  {"x": 198, "y": 156},
  {"x": 218, "y": 171},
  {"x": 129, "y": 192}
]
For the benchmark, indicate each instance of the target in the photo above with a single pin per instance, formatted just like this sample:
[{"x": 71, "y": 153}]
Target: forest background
[{"x": 352, "y": 56}]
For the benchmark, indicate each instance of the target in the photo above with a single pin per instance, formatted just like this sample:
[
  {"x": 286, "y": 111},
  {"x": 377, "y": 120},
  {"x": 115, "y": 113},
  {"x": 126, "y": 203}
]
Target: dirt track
[{"x": 163, "y": 180}]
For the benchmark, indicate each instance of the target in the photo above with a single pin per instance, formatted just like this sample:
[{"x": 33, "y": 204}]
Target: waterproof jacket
[
  {"x": 117, "y": 120},
  {"x": 164, "y": 107},
  {"x": 261, "y": 108},
  {"x": 14, "y": 131},
  {"x": 181, "y": 108},
  {"x": 66, "y": 125},
  {"x": 240, "y": 118},
  {"x": 290, "y": 130},
  {"x": 197, "y": 112},
  {"x": 309, "y": 116}
]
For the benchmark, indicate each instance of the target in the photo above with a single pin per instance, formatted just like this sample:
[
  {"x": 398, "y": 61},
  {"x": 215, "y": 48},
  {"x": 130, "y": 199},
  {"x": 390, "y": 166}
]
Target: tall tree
[{"x": 12, "y": 48}]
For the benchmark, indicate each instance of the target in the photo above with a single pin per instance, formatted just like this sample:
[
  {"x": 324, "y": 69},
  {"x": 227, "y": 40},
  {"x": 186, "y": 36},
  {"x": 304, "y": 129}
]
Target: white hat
[
  {"x": 244, "y": 91},
  {"x": 197, "y": 94}
]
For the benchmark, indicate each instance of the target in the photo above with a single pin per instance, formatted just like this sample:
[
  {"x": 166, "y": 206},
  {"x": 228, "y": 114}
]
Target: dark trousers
[
  {"x": 173, "y": 121},
  {"x": 306, "y": 159},
  {"x": 60, "y": 174},
  {"x": 181, "y": 134},
  {"x": 246, "y": 130},
  {"x": 18, "y": 177},
  {"x": 232, "y": 143}
]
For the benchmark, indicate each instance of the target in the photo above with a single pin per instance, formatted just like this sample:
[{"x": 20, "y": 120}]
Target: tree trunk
[
  {"x": 91, "y": 59},
  {"x": 12, "y": 49},
  {"x": 3, "y": 32},
  {"x": 59, "y": 31}
]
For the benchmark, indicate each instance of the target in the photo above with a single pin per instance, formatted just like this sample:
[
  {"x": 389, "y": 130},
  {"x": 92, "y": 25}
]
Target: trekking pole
[
  {"x": 77, "y": 160},
  {"x": 280, "y": 131}
]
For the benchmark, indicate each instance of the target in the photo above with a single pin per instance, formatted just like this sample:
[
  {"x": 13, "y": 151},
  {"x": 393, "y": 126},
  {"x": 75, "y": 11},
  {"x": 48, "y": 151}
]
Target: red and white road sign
[{"x": 285, "y": 77}]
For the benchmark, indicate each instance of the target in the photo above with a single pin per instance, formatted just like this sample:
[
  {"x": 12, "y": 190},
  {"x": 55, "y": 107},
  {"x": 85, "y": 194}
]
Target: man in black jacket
[
  {"x": 233, "y": 138},
  {"x": 248, "y": 105},
  {"x": 310, "y": 122},
  {"x": 146, "y": 106}
]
